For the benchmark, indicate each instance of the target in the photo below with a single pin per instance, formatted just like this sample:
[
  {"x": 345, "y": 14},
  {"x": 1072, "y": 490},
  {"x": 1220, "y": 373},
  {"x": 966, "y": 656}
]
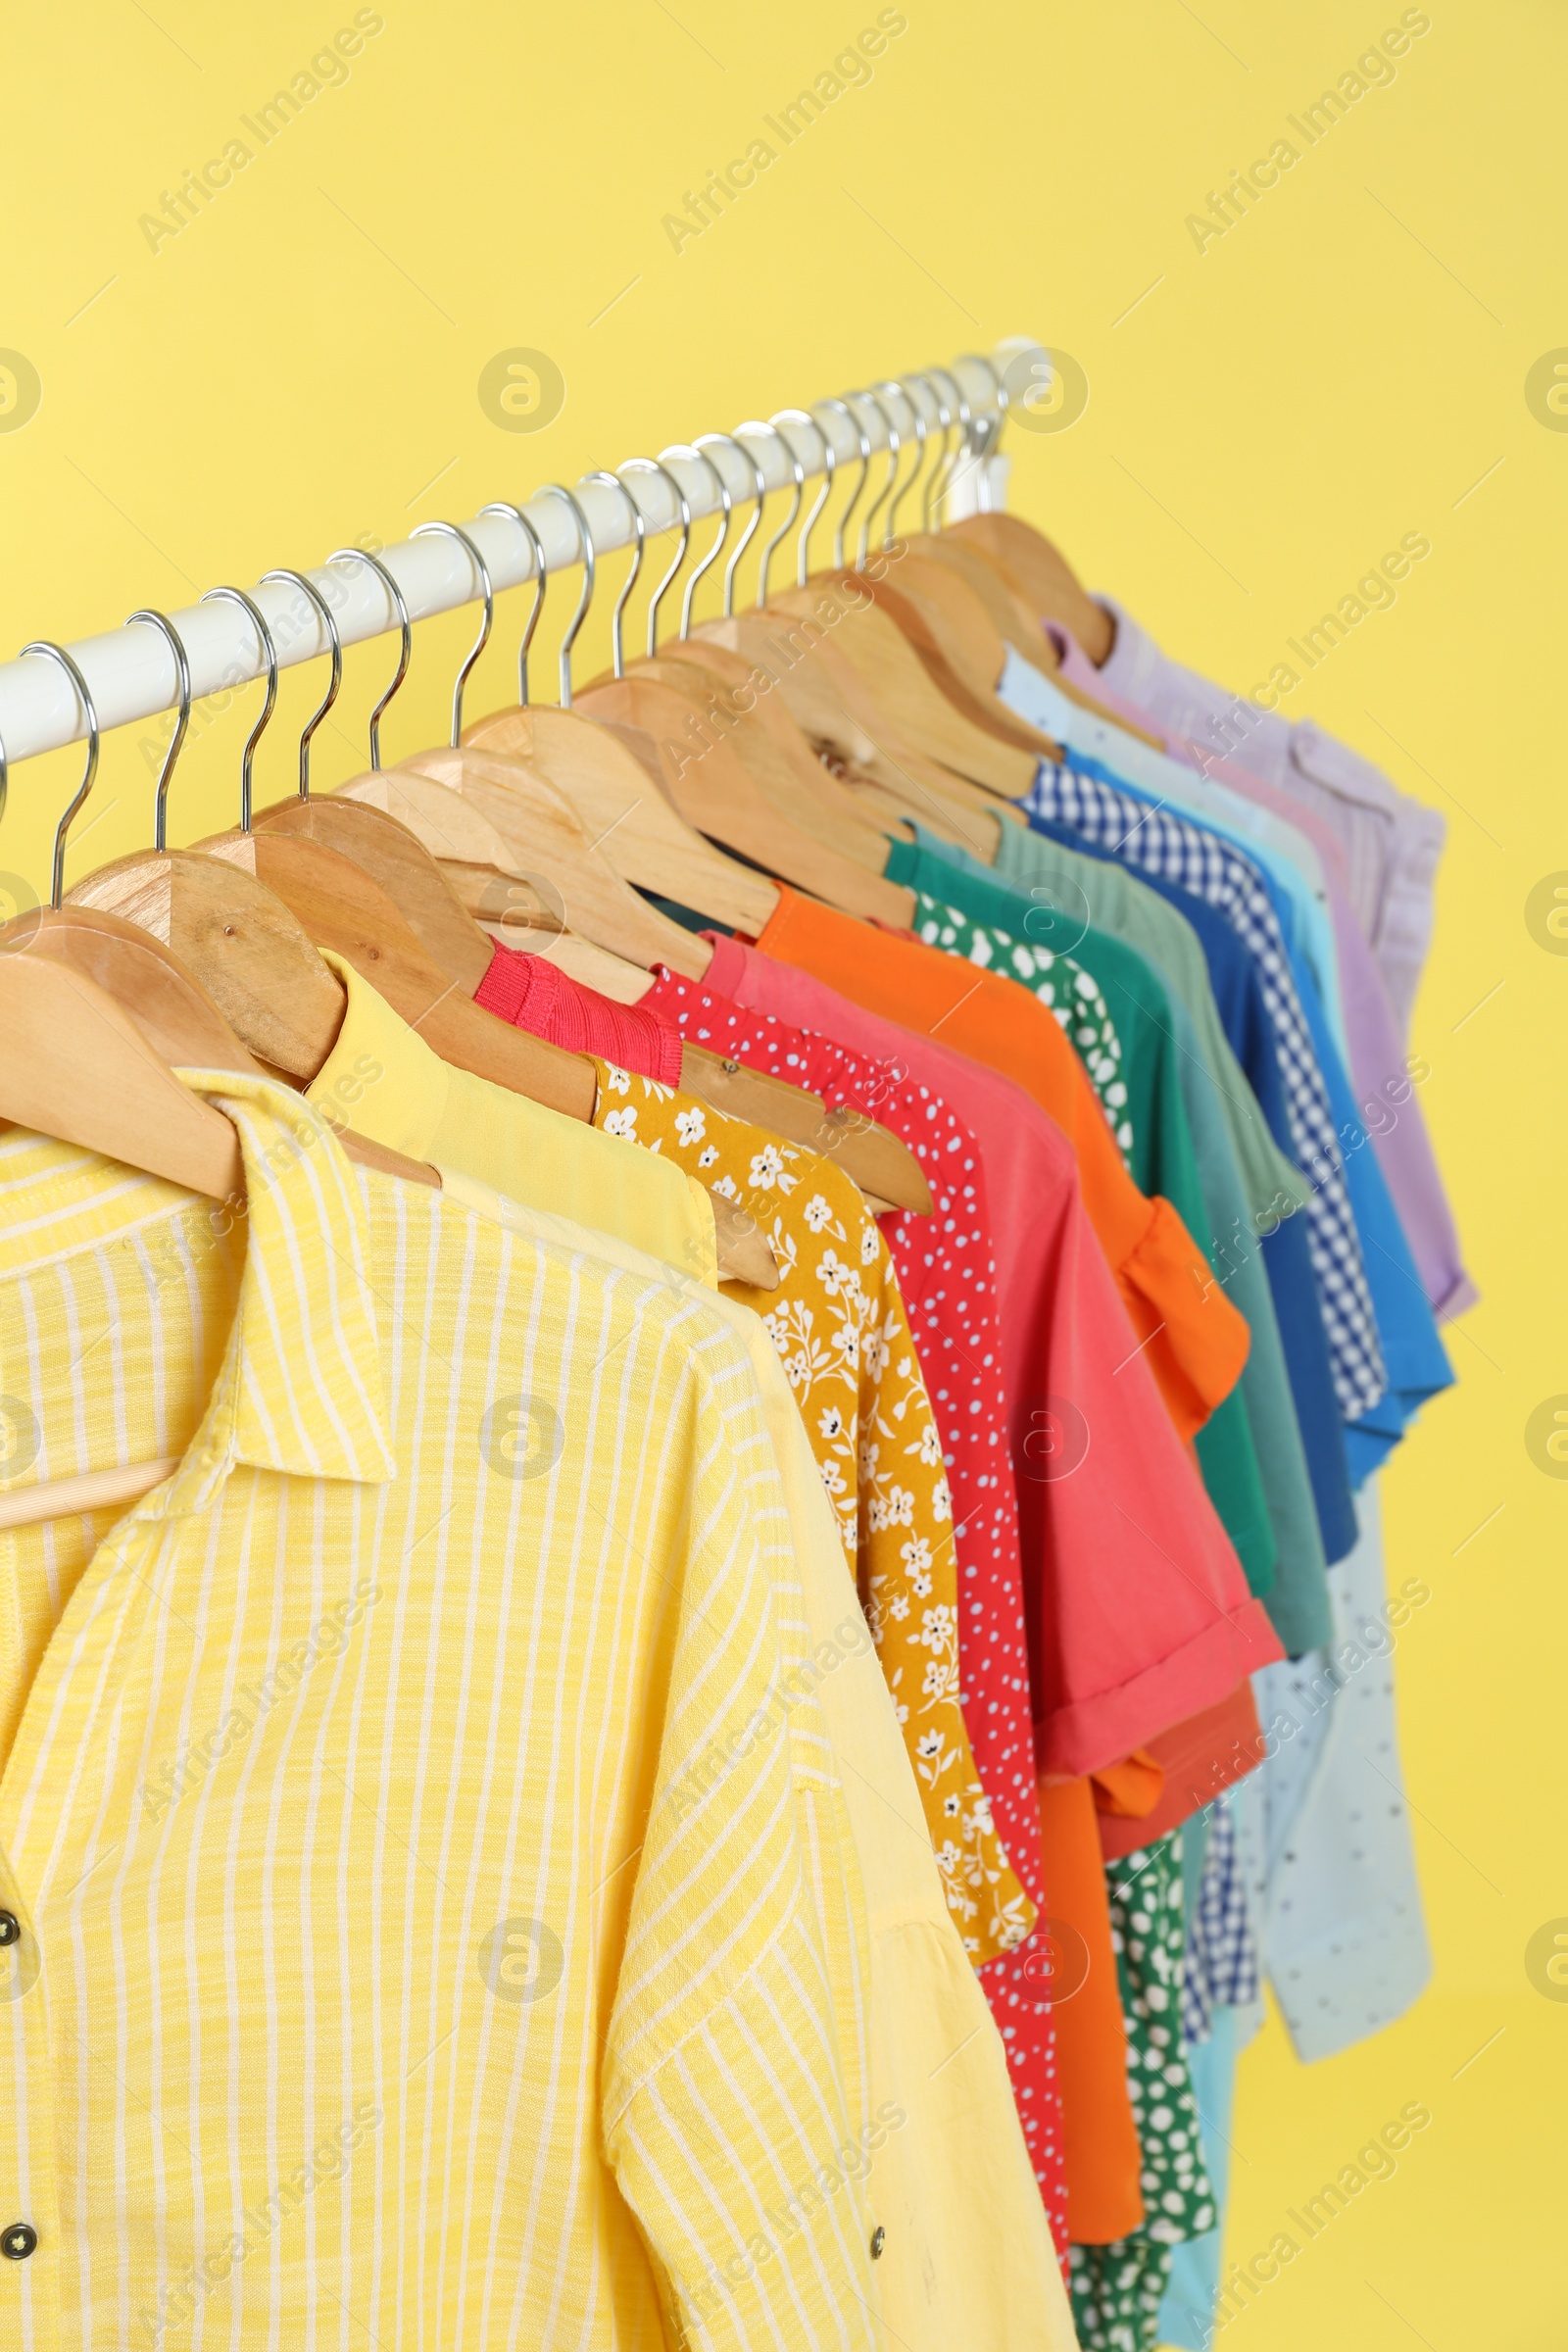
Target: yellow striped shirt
[{"x": 384, "y": 1969}]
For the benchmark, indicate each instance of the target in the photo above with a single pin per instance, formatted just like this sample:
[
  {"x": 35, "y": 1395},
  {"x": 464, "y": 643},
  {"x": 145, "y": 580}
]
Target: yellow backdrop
[{"x": 198, "y": 384}]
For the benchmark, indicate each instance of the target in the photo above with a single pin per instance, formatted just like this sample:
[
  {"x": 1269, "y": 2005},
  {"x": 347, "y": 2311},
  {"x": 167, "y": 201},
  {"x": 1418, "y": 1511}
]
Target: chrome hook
[
  {"x": 171, "y": 637},
  {"x": 798, "y": 476},
  {"x": 237, "y": 596},
  {"x": 689, "y": 449},
  {"x": 613, "y": 481},
  {"x": 759, "y": 484},
  {"x": 860, "y": 432},
  {"x": 58, "y": 653},
  {"x": 400, "y": 606},
  {"x": 653, "y": 466},
  {"x": 944, "y": 426},
  {"x": 540, "y": 573},
  {"x": 829, "y": 467},
  {"x": 556, "y": 490},
  {"x": 895, "y": 447},
  {"x": 964, "y": 416},
  {"x": 334, "y": 682},
  {"x": 894, "y": 383},
  {"x": 450, "y": 531}
]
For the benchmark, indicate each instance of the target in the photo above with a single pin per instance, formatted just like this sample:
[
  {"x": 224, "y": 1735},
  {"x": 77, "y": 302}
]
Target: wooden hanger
[
  {"x": 392, "y": 856},
  {"x": 712, "y": 789},
  {"x": 839, "y": 718},
  {"x": 1026, "y": 558},
  {"x": 877, "y": 1157},
  {"x": 897, "y": 682},
  {"x": 1018, "y": 626},
  {"x": 787, "y": 772}
]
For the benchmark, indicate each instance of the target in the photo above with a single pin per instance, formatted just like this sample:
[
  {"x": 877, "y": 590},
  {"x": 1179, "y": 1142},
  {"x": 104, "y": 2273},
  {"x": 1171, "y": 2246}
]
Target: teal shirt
[
  {"x": 959, "y": 909},
  {"x": 1297, "y": 1600}
]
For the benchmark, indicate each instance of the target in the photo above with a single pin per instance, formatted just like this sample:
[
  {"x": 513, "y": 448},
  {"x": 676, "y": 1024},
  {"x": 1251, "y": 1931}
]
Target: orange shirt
[{"x": 1194, "y": 1341}]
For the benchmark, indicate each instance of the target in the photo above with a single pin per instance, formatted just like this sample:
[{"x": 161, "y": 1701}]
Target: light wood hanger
[
  {"x": 1042, "y": 576},
  {"x": 825, "y": 696},
  {"x": 712, "y": 789},
  {"x": 1018, "y": 626},
  {"x": 875, "y": 1158}
]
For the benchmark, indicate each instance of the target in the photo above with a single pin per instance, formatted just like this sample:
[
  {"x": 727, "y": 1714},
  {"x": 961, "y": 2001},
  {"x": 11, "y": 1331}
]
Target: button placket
[{"x": 28, "y": 2200}]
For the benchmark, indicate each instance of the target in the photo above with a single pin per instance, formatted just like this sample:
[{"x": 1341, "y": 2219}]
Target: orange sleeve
[
  {"x": 1195, "y": 1341},
  {"x": 1099, "y": 2139}
]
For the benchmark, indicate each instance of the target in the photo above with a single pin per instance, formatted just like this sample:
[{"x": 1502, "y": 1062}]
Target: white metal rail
[{"x": 131, "y": 672}]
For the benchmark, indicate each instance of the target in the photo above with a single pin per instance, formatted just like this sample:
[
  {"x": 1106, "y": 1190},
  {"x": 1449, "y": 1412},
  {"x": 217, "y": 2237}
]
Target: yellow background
[{"x": 299, "y": 368}]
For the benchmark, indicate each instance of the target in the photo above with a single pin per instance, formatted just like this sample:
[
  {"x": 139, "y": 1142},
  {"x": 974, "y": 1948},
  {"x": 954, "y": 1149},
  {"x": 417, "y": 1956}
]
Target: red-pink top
[{"x": 534, "y": 994}]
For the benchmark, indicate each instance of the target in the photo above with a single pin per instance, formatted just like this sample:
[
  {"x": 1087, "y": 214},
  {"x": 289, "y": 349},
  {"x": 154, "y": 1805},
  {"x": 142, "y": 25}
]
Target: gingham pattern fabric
[
  {"x": 1167, "y": 844},
  {"x": 439, "y": 1919},
  {"x": 1220, "y": 1968}
]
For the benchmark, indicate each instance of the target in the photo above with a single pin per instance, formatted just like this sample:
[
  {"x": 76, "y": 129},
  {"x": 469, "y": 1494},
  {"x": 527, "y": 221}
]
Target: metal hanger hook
[
  {"x": 758, "y": 424},
  {"x": 985, "y": 438},
  {"x": 639, "y": 524},
  {"x": 172, "y": 638},
  {"x": 653, "y": 466},
  {"x": 860, "y": 434},
  {"x": 689, "y": 449},
  {"x": 263, "y": 635},
  {"x": 951, "y": 461},
  {"x": 309, "y": 589},
  {"x": 895, "y": 383},
  {"x": 540, "y": 573},
  {"x": 586, "y": 547},
  {"x": 450, "y": 531},
  {"x": 923, "y": 376},
  {"x": 58, "y": 653},
  {"x": 829, "y": 467},
  {"x": 760, "y": 485},
  {"x": 400, "y": 606},
  {"x": 895, "y": 448}
]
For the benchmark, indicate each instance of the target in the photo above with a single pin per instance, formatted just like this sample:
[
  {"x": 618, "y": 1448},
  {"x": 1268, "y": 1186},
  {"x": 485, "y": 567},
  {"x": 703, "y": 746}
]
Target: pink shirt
[{"x": 1139, "y": 1613}]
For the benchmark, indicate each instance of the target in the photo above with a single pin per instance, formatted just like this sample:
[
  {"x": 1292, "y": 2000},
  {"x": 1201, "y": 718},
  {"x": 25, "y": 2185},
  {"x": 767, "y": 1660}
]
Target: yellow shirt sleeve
[{"x": 383, "y": 1080}]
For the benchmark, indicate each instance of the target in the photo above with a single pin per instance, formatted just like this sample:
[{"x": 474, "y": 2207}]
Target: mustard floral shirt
[{"x": 838, "y": 1321}]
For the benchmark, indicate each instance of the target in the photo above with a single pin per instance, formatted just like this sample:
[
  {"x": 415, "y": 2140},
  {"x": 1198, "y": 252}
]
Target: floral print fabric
[
  {"x": 1116, "y": 2290},
  {"x": 838, "y": 1321},
  {"x": 946, "y": 1265},
  {"x": 1058, "y": 980}
]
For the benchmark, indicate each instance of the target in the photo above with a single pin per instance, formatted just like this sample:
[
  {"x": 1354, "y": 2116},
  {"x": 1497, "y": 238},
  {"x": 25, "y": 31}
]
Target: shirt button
[
  {"x": 879, "y": 2239},
  {"x": 10, "y": 1927},
  {"x": 19, "y": 2241}
]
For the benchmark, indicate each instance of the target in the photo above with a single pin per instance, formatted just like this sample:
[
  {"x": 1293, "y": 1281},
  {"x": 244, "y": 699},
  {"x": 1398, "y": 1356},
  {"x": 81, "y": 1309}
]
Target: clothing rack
[{"x": 131, "y": 672}]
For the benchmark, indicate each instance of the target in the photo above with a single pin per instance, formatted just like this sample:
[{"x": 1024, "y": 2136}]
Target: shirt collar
[{"x": 301, "y": 1389}]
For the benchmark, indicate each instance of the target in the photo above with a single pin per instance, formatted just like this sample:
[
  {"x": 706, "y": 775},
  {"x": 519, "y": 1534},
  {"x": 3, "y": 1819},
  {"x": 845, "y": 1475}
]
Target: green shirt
[
  {"x": 1156, "y": 1050},
  {"x": 964, "y": 910}
]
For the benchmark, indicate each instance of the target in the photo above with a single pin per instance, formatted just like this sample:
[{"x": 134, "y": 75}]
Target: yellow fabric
[
  {"x": 389, "y": 1968},
  {"x": 385, "y": 1080},
  {"x": 838, "y": 1322},
  {"x": 968, "y": 2259}
]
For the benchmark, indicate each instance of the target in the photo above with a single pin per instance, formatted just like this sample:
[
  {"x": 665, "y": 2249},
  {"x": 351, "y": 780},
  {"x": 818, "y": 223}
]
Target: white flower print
[
  {"x": 831, "y": 1422},
  {"x": 705, "y": 1159},
  {"x": 817, "y": 1213},
  {"x": 618, "y": 1081},
  {"x": 833, "y": 1274},
  {"x": 768, "y": 1165},
  {"x": 622, "y": 1123},
  {"x": 915, "y": 1555},
  {"x": 691, "y": 1125}
]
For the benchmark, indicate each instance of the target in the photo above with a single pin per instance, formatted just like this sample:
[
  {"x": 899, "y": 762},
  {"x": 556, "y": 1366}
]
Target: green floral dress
[
  {"x": 1058, "y": 980},
  {"x": 1116, "y": 2290}
]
